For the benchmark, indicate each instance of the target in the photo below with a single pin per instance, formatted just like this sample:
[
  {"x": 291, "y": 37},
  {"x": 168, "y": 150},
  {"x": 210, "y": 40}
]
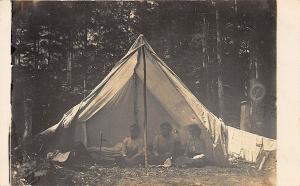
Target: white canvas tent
[{"x": 118, "y": 101}]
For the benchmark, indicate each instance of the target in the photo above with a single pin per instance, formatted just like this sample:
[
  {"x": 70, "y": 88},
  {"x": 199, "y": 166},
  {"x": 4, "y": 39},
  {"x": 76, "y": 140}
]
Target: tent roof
[
  {"x": 119, "y": 75},
  {"x": 166, "y": 92}
]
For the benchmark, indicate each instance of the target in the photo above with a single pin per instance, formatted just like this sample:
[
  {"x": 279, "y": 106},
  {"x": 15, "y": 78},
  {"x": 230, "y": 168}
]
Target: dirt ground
[
  {"x": 44, "y": 172},
  {"x": 208, "y": 175}
]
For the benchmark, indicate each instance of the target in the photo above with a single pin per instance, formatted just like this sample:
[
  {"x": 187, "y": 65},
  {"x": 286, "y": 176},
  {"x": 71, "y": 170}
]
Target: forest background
[{"x": 61, "y": 51}]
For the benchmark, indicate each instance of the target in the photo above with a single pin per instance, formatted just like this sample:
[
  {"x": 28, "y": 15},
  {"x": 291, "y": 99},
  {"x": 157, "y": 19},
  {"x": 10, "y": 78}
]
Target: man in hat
[
  {"x": 195, "y": 145},
  {"x": 195, "y": 149}
]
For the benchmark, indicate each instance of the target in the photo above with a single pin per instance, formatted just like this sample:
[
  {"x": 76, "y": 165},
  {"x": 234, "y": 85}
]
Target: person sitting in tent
[
  {"x": 164, "y": 145},
  {"x": 132, "y": 147},
  {"x": 195, "y": 145},
  {"x": 195, "y": 149}
]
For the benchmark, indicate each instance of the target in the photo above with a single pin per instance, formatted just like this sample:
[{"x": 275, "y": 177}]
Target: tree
[
  {"x": 209, "y": 46},
  {"x": 219, "y": 61}
]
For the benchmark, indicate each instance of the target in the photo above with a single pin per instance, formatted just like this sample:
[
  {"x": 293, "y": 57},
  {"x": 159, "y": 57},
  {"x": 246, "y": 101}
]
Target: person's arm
[
  {"x": 173, "y": 147},
  {"x": 186, "y": 149},
  {"x": 203, "y": 147},
  {"x": 124, "y": 148},
  {"x": 140, "y": 150}
]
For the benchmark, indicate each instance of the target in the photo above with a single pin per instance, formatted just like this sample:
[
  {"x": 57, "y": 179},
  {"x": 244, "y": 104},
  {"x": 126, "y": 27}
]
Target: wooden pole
[
  {"x": 135, "y": 99},
  {"x": 100, "y": 146},
  {"x": 263, "y": 161},
  {"x": 145, "y": 108}
]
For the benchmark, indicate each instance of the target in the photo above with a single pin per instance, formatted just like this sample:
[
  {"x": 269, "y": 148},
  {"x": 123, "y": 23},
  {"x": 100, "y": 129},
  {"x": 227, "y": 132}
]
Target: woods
[{"x": 61, "y": 51}]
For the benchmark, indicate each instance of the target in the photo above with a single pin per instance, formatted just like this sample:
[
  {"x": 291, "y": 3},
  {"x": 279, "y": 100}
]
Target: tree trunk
[
  {"x": 38, "y": 52},
  {"x": 69, "y": 69},
  {"x": 219, "y": 60},
  {"x": 15, "y": 59},
  {"x": 205, "y": 57},
  {"x": 35, "y": 53},
  {"x": 235, "y": 57},
  {"x": 69, "y": 61},
  {"x": 235, "y": 7},
  {"x": 256, "y": 111},
  {"x": 49, "y": 48},
  {"x": 245, "y": 123},
  {"x": 86, "y": 56},
  {"x": 28, "y": 119}
]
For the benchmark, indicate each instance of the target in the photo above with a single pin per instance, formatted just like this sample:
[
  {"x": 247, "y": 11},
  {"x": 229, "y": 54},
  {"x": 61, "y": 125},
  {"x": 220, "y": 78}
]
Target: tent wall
[
  {"x": 110, "y": 89},
  {"x": 113, "y": 119},
  {"x": 157, "y": 113},
  {"x": 166, "y": 93},
  {"x": 247, "y": 145},
  {"x": 80, "y": 133}
]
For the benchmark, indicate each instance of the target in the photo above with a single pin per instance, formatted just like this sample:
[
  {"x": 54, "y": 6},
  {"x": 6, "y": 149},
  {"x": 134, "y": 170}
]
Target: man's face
[
  {"x": 194, "y": 132},
  {"x": 165, "y": 131},
  {"x": 134, "y": 133}
]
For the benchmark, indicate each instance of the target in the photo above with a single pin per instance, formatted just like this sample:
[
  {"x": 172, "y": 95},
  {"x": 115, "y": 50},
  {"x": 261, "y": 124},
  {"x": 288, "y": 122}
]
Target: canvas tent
[{"x": 119, "y": 101}]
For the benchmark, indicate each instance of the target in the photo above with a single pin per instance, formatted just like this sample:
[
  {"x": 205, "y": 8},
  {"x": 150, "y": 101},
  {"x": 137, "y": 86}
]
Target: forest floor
[
  {"x": 208, "y": 175},
  {"x": 92, "y": 174}
]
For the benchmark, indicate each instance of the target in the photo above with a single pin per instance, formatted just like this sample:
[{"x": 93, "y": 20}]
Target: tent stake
[{"x": 145, "y": 108}]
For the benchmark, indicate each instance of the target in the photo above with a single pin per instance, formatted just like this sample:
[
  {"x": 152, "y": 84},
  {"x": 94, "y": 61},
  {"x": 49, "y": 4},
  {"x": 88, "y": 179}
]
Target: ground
[
  {"x": 208, "y": 175},
  {"x": 39, "y": 171}
]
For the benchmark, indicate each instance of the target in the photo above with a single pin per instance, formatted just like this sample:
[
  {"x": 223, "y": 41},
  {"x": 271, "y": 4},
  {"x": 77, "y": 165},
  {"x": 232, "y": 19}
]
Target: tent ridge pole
[{"x": 145, "y": 107}]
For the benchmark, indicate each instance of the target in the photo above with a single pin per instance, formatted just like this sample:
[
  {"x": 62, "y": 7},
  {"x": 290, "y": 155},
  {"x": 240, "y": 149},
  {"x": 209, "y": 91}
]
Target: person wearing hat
[
  {"x": 195, "y": 149},
  {"x": 195, "y": 145}
]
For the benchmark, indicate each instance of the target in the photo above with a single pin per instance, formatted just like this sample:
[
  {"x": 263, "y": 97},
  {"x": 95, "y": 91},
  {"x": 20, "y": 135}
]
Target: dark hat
[
  {"x": 194, "y": 127},
  {"x": 166, "y": 125},
  {"x": 134, "y": 126}
]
